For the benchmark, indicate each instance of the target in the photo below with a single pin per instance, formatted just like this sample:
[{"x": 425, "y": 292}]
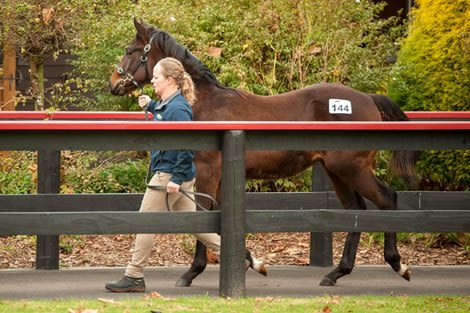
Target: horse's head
[{"x": 135, "y": 68}]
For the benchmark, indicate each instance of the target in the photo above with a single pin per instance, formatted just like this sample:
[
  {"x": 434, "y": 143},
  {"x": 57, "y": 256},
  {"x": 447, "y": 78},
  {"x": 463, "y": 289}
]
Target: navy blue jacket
[{"x": 178, "y": 163}]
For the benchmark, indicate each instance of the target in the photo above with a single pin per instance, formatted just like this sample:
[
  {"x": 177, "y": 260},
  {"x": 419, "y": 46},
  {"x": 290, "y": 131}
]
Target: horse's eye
[{"x": 129, "y": 51}]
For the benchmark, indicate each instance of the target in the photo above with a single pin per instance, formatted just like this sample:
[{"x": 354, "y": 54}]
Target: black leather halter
[{"x": 143, "y": 63}]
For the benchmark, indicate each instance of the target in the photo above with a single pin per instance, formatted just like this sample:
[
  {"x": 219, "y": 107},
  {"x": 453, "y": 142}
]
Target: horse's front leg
[
  {"x": 351, "y": 200},
  {"x": 346, "y": 264},
  {"x": 197, "y": 267},
  {"x": 200, "y": 257}
]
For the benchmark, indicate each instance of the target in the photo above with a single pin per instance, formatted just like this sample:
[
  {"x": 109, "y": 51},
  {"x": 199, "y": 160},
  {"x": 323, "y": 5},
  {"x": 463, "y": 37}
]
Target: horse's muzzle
[{"x": 116, "y": 89}]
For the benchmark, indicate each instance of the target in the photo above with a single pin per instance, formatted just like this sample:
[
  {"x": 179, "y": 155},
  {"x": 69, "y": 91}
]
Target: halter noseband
[{"x": 143, "y": 62}]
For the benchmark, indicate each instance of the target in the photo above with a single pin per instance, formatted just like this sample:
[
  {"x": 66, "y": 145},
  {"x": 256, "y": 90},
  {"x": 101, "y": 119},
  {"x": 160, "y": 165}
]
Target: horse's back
[
  {"x": 337, "y": 102},
  {"x": 320, "y": 102}
]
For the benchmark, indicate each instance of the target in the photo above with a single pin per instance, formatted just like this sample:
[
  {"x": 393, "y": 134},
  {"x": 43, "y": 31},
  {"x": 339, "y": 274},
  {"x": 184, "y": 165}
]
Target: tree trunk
[
  {"x": 7, "y": 102},
  {"x": 36, "y": 70}
]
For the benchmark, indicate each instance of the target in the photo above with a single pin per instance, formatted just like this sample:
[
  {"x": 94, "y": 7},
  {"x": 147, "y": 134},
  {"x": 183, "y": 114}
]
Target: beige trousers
[{"x": 155, "y": 201}]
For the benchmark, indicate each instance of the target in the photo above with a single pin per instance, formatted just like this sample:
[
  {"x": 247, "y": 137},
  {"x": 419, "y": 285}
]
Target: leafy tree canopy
[{"x": 266, "y": 47}]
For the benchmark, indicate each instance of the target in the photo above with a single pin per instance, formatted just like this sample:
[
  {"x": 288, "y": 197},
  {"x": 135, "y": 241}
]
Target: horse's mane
[{"x": 197, "y": 69}]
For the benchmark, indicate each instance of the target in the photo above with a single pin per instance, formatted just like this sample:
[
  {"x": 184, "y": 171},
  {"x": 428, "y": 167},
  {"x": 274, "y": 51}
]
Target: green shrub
[
  {"x": 81, "y": 172},
  {"x": 301, "y": 182},
  {"x": 18, "y": 173},
  {"x": 433, "y": 67},
  {"x": 433, "y": 73},
  {"x": 444, "y": 170},
  {"x": 104, "y": 172}
]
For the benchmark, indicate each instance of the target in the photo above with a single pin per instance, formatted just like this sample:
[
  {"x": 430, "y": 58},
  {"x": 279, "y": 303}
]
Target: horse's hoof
[
  {"x": 404, "y": 271},
  {"x": 257, "y": 266},
  {"x": 260, "y": 267},
  {"x": 327, "y": 282},
  {"x": 181, "y": 282},
  {"x": 406, "y": 274}
]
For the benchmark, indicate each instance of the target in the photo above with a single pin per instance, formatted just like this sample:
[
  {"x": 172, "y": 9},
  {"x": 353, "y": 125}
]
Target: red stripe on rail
[
  {"x": 72, "y": 115},
  {"x": 235, "y": 125},
  {"x": 438, "y": 114},
  {"x": 112, "y": 115}
]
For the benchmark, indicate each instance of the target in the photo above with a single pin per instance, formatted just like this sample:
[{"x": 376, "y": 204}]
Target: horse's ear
[{"x": 140, "y": 27}]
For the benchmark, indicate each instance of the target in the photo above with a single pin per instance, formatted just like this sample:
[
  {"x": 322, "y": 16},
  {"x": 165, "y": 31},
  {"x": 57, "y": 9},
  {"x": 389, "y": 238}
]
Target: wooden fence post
[
  {"x": 321, "y": 244},
  {"x": 232, "y": 223},
  {"x": 47, "y": 247}
]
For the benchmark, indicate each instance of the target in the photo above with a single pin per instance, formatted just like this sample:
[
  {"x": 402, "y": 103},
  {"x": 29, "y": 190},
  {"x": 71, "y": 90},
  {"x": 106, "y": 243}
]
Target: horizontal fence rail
[
  {"x": 407, "y": 200},
  {"x": 50, "y": 214},
  {"x": 70, "y": 223},
  {"x": 112, "y": 135}
]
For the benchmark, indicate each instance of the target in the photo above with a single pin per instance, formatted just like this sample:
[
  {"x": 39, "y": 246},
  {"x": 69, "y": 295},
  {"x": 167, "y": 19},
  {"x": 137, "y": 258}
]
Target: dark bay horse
[{"x": 351, "y": 172}]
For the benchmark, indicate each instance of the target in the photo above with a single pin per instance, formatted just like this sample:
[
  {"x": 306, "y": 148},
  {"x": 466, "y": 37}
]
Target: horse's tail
[{"x": 403, "y": 162}]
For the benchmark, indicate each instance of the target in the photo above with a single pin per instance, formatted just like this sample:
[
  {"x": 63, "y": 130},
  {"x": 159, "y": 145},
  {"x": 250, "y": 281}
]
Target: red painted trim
[
  {"x": 140, "y": 115},
  {"x": 236, "y": 125},
  {"x": 72, "y": 115},
  {"x": 438, "y": 114}
]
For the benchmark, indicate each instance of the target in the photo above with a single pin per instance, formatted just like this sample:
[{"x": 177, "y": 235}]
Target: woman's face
[{"x": 159, "y": 81}]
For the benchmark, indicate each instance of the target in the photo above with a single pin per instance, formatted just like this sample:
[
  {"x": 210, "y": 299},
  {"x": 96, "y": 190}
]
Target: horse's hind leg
[
  {"x": 393, "y": 257},
  {"x": 386, "y": 199},
  {"x": 363, "y": 180},
  {"x": 257, "y": 265},
  {"x": 351, "y": 200}
]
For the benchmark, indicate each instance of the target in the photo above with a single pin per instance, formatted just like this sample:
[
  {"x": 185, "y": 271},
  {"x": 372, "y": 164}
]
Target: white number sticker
[{"x": 339, "y": 106}]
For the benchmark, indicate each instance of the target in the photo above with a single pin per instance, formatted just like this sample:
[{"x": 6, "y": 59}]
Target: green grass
[{"x": 325, "y": 304}]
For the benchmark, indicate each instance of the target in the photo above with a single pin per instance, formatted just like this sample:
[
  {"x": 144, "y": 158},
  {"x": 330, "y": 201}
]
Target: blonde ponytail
[
  {"x": 187, "y": 88},
  {"x": 174, "y": 69}
]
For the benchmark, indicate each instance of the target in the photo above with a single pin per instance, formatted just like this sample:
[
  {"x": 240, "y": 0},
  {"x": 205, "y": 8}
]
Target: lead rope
[{"x": 184, "y": 191}]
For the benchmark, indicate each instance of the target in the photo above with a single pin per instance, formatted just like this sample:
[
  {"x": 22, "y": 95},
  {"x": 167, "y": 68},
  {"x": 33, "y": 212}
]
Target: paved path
[{"x": 287, "y": 281}]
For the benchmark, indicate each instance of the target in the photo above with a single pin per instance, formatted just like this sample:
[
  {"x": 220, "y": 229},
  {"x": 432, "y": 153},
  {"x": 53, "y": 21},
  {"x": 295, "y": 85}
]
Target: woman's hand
[
  {"x": 172, "y": 187},
  {"x": 144, "y": 101}
]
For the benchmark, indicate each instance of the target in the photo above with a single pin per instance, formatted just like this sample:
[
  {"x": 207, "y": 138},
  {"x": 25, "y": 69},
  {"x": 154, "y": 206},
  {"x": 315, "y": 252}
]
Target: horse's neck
[{"x": 218, "y": 103}]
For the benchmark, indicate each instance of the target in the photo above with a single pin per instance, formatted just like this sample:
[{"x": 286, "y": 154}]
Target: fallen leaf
[
  {"x": 214, "y": 52},
  {"x": 110, "y": 301},
  {"x": 312, "y": 49},
  {"x": 327, "y": 310},
  {"x": 153, "y": 295},
  {"x": 47, "y": 15},
  {"x": 278, "y": 249},
  {"x": 212, "y": 258},
  {"x": 302, "y": 261},
  {"x": 268, "y": 299},
  {"x": 82, "y": 311}
]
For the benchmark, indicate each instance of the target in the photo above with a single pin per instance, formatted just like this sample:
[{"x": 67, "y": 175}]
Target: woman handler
[{"x": 174, "y": 169}]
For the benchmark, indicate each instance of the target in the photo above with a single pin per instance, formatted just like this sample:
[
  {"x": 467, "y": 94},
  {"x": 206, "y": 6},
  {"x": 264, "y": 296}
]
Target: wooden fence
[{"x": 49, "y": 214}]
